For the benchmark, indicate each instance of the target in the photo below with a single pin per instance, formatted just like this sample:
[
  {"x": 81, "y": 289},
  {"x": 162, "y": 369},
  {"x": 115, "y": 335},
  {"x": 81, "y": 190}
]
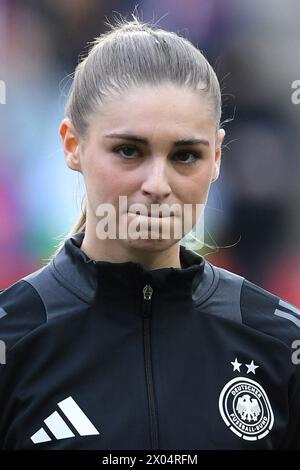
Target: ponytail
[{"x": 79, "y": 226}]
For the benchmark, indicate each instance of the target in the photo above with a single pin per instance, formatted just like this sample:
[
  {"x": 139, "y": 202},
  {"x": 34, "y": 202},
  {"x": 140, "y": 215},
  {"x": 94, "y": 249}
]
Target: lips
[{"x": 149, "y": 214}]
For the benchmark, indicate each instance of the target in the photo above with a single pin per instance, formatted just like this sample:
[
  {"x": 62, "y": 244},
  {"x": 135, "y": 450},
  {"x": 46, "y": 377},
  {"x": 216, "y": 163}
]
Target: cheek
[
  {"x": 196, "y": 189},
  {"x": 104, "y": 183}
]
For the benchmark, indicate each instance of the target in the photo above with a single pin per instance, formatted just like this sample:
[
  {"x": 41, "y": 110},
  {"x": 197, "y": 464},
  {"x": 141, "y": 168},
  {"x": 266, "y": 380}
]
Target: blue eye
[
  {"x": 126, "y": 151},
  {"x": 195, "y": 156}
]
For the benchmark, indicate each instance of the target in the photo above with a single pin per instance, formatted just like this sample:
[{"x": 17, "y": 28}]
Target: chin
[{"x": 151, "y": 245}]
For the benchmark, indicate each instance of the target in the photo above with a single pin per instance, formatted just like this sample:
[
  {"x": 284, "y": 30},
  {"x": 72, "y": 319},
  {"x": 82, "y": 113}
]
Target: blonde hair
[{"x": 133, "y": 53}]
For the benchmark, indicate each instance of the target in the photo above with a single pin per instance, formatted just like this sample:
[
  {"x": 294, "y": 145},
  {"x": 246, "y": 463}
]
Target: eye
[
  {"x": 126, "y": 151},
  {"x": 188, "y": 157}
]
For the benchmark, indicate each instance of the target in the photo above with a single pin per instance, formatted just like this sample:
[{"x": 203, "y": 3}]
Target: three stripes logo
[
  {"x": 58, "y": 426},
  {"x": 289, "y": 312}
]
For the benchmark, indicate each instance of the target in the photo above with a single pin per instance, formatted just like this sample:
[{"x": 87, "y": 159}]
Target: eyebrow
[{"x": 144, "y": 141}]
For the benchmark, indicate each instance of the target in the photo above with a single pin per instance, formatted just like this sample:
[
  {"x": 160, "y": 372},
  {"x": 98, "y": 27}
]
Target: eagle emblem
[{"x": 246, "y": 409}]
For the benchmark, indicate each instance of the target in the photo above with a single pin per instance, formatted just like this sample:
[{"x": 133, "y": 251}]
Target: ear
[
  {"x": 218, "y": 154},
  {"x": 70, "y": 140}
]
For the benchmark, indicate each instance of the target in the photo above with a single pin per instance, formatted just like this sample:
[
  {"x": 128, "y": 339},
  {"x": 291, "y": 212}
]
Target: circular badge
[{"x": 245, "y": 409}]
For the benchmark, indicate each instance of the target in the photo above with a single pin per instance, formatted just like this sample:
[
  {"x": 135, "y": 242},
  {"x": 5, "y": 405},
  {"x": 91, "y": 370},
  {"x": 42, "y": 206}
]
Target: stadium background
[{"x": 253, "y": 208}]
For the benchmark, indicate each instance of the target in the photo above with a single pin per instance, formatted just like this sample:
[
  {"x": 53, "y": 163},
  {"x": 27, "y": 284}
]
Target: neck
[{"x": 151, "y": 254}]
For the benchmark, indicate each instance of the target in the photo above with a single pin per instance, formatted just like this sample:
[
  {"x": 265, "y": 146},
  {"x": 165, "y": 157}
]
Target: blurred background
[{"x": 252, "y": 215}]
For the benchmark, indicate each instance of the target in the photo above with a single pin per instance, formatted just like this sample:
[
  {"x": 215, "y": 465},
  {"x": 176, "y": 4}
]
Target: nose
[{"x": 156, "y": 182}]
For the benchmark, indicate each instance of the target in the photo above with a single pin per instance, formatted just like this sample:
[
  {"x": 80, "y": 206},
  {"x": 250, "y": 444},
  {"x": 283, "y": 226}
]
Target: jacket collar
[{"x": 86, "y": 276}]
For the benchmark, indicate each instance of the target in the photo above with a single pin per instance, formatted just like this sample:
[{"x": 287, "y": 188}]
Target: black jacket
[{"x": 103, "y": 355}]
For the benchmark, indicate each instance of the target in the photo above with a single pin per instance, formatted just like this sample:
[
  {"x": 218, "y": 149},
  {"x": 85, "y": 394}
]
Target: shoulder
[
  {"x": 21, "y": 311},
  {"x": 241, "y": 300},
  {"x": 42, "y": 298},
  {"x": 269, "y": 313}
]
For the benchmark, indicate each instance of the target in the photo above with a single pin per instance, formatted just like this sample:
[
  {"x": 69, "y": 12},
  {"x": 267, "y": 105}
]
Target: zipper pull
[
  {"x": 147, "y": 292},
  {"x": 147, "y": 295}
]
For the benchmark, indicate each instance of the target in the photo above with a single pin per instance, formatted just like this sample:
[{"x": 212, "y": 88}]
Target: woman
[{"x": 127, "y": 339}]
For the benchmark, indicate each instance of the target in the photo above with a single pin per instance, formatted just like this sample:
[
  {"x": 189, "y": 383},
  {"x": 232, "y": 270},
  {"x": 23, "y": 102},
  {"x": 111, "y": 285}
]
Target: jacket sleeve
[
  {"x": 292, "y": 437},
  {"x": 280, "y": 319},
  {"x": 21, "y": 311}
]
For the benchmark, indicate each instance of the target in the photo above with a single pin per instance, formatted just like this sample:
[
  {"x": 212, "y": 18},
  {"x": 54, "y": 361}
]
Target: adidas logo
[
  {"x": 288, "y": 312},
  {"x": 59, "y": 428}
]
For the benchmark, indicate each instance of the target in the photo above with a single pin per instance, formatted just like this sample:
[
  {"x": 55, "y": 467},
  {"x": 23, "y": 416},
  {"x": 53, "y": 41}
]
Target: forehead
[{"x": 162, "y": 110}]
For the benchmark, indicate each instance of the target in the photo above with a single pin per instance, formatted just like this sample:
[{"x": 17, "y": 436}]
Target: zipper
[{"x": 146, "y": 312}]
